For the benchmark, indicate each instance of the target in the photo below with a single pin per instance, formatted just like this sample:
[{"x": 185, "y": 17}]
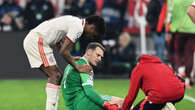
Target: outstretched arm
[
  {"x": 87, "y": 84},
  {"x": 96, "y": 98},
  {"x": 93, "y": 95},
  {"x": 133, "y": 89},
  {"x": 65, "y": 51}
]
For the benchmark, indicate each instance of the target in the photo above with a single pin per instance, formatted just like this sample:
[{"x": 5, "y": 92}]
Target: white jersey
[{"x": 54, "y": 30}]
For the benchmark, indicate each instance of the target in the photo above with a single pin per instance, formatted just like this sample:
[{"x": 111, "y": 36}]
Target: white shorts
[{"x": 38, "y": 51}]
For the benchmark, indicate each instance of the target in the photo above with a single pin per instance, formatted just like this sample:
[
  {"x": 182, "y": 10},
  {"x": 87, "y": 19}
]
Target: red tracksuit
[{"x": 157, "y": 80}]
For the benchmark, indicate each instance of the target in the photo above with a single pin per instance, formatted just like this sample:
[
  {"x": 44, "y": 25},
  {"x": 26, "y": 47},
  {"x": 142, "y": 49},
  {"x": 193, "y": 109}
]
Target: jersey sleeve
[
  {"x": 133, "y": 89},
  {"x": 74, "y": 33},
  {"x": 87, "y": 83}
]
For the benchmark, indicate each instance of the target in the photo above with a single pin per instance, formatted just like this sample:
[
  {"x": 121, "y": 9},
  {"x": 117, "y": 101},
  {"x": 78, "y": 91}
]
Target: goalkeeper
[{"x": 77, "y": 88}]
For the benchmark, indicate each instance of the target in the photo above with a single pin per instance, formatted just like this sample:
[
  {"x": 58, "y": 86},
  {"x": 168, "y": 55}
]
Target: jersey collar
[
  {"x": 85, "y": 60},
  {"x": 83, "y": 22}
]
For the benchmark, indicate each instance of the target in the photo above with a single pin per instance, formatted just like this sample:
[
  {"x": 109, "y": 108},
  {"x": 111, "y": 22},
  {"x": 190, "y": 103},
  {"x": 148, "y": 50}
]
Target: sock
[
  {"x": 57, "y": 98},
  {"x": 52, "y": 92}
]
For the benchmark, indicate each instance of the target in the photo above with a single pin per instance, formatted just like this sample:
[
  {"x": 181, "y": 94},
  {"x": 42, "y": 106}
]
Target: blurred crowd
[
  {"x": 172, "y": 30},
  {"x": 17, "y": 15}
]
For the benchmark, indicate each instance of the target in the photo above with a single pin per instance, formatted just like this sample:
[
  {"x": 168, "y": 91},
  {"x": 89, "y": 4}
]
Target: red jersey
[{"x": 157, "y": 80}]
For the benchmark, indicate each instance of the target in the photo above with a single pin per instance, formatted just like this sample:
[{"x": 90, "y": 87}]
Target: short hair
[
  {"x": 98, "y": 22},
  {"x": 94, "y": 45},
  {"x": 138, "y": 58}
]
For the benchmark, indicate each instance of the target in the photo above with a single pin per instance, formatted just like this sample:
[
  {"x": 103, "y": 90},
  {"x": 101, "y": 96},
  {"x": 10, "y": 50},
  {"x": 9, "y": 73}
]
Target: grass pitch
[{"x": 30, "y": 94}]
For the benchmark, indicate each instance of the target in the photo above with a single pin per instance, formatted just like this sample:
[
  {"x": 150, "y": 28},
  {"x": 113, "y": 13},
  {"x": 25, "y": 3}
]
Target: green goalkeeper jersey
[{"x": 77, "y": 90}]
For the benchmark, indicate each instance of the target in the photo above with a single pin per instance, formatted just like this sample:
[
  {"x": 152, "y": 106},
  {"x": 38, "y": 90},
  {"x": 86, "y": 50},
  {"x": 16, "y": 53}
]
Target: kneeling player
[
  {"x": 158, "y": 82},
  {"x": 77, "y": 88}
]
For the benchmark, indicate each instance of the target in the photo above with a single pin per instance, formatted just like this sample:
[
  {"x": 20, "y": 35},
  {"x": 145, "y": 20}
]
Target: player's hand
[
  {"x": 109, "y": 106},
  {"x": 113, "y": 107},
  {"x": 85, "y": 69}
]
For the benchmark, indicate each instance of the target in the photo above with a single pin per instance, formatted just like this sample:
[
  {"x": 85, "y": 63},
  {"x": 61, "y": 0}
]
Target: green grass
[{"x": 30, "y": 94}]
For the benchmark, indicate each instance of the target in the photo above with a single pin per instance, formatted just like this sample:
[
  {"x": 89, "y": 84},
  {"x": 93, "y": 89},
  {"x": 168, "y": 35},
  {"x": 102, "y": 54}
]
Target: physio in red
[{"x": 158, "y": 82}]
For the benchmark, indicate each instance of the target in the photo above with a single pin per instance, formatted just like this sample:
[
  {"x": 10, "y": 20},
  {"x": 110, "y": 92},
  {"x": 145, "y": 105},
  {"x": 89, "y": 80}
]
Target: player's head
[
  {"x": 94, "y": 26},
  {"x": 94, "y": 53},
  {"x": 138, "y": 58}
]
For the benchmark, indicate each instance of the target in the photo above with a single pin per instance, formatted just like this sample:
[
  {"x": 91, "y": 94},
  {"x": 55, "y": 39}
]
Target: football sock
[
  {"x": 57, "y": 98},
  {"x": 52, "y": 92}
]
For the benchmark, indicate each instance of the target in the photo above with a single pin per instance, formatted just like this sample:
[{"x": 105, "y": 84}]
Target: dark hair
[
  {"x": 138, "y": 58},
  {"x": 98, "y": 22},
  {"x": 94, "y": 45}
]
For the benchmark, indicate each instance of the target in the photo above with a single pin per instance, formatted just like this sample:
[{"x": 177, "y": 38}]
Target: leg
[
  {"x": 188, "y": 51},
  {"x": 53, "y": 86},
  {"x": 147, "y": 105},
  {"x": 171, "y": 51},
  {"x": 159, "y": 45},
  {"x": 54, "y": 74},
  {"x": 169, "y": 106},
  {"x": 40, "y": 55}
]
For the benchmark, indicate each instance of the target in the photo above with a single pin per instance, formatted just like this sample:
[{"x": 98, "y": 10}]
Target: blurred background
[{"x": 122, "y": 39}]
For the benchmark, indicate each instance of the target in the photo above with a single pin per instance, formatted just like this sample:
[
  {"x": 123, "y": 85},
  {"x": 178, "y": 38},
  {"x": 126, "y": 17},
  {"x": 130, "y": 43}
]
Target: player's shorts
[{"x": 38, "y": 51}]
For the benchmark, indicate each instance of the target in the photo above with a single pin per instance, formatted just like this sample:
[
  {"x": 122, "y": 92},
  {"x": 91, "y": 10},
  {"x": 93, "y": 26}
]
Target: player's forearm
[
  {"x": 65, "y": 51},
  {"x": 133, "y": 91},
  {"x": 92, "y": 95},
  {"x": 191, "y": 13},
  {"x": 69, "y": 59},
  {"x": 127, "y": 103},
  {"x": 129, "y": 99}
]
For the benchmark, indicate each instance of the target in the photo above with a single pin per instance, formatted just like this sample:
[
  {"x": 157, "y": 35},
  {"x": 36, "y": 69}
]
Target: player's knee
[
  {"x": 55, "y": 78},
  {"x": 59, "y": 77}
]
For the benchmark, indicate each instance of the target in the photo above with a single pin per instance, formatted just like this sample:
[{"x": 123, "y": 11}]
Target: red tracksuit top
[{"x": 157, "y": 80}]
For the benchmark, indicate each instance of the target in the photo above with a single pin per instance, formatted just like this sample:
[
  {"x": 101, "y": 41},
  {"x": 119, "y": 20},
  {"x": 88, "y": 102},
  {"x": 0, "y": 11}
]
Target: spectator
[
  {"x": 156, "y": 13},
  {"x": 68, "y": 10},
  {"x": 81, "y": 8},
  {"x": 11, "y": 16},
  {"x": 113, "y": 12},
  {"x": 181, "y": 44},
  {"x": 58, "y": 6},
  {"x": 36, "y": 12},
  {"x": 123, "y": 55}
]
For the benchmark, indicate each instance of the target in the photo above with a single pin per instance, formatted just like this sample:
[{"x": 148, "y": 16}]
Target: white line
[{"x": 189, "y": 98}]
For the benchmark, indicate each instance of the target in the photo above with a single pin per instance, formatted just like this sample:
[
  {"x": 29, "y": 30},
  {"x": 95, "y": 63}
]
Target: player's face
[
  {"x": 96, "y": 56},
  {"x": 90, "y": 32}
]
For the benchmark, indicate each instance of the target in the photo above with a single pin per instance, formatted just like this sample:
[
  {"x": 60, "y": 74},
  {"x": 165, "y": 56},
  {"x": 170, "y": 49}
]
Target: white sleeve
[
  {"x": 193, "y": 4},
  {"x": 74, "y": 33}
]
